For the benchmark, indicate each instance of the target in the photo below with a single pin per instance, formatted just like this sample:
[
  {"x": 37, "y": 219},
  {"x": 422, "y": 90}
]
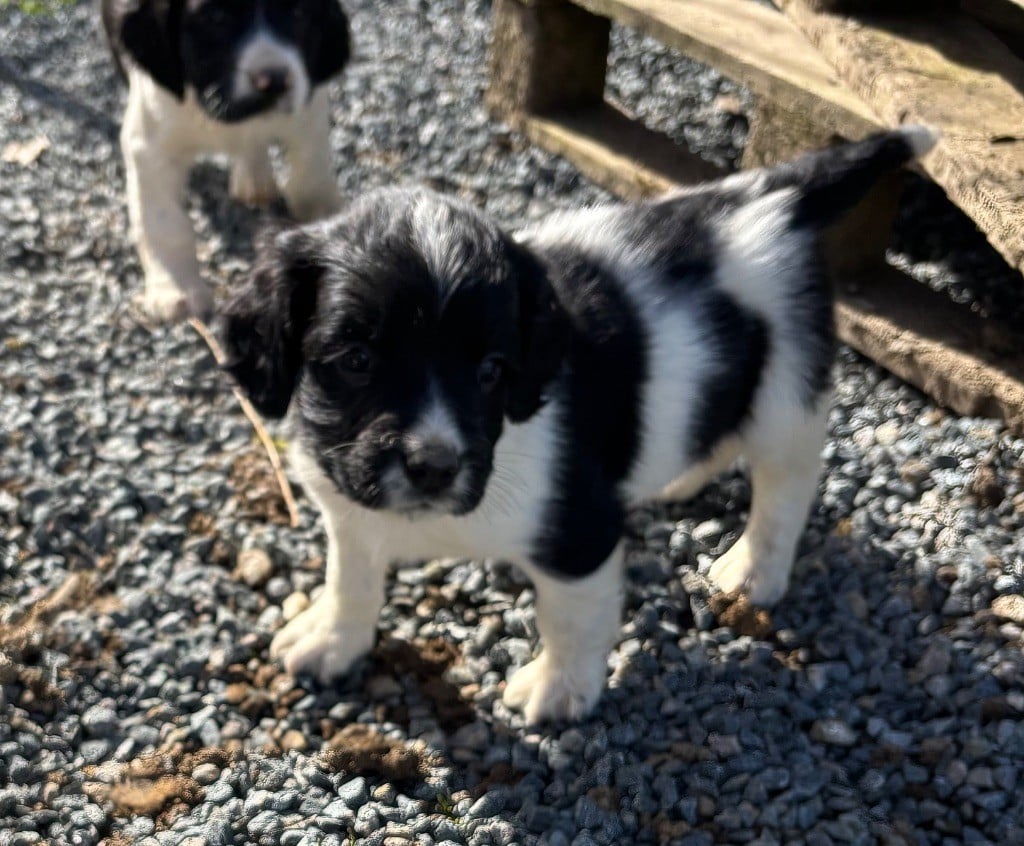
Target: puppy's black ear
[
  {"x": 150, "y": 32},
  {"x": 543, "y": 336},
  {"x": 262, "y": 327},
  {"x": 327, "y": 46}
]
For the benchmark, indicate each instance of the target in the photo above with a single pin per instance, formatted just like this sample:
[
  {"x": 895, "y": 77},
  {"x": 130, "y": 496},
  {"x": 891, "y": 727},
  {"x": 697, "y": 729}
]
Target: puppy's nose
[
  {"x": 431, "y": 467},
  {"x": 271, "y": 80}
]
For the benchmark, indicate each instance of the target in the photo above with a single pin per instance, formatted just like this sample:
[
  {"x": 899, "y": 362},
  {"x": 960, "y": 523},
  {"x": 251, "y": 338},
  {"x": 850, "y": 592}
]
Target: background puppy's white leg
[
  {"x": 785, "y": 463},
  {"x": 156, "y": 181},
  {"x": 311, "y": 189},
  {"x": 341, "y": 625},
  {"x": 696, "y": 478},
  {"x": 252, "y": 177},
  {"x": 578, "y": 620}
]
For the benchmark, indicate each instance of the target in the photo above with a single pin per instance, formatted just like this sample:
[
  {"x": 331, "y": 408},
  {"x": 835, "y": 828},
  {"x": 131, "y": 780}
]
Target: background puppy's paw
[
  {"x": 546, "y": 692},
  {"x": 168, "y": 303},
  {"x": 759, "y": 578},
  {"x": 163, "y": 304},
  {"x": 318, "y": 643}
]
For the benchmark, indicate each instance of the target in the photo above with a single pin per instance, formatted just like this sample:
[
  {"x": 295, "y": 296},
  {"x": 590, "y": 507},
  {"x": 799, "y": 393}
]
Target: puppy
[
  {"x": 457, "y": 391},
  {"x": 216, "y": 76}
]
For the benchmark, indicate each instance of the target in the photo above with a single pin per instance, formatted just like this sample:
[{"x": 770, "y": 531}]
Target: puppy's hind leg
[
  {"x": 578, "y": 619},
  {"x": 785, "y": 463},
  {"x": 252, "y": 178}
]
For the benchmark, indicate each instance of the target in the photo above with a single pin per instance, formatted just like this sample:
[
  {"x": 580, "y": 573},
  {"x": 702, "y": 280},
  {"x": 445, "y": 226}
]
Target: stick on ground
[{"x": 261, "y": 431}]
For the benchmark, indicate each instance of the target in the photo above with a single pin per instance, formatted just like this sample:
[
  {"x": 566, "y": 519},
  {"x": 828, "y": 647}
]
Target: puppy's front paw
[
  {"x": 320, "y": 643},
  {"x": 168, "y": 303},
  {"x": 544, "y": 691},
  {"x": 761, "y": 579},
  {"x": 253, "y": 185}
]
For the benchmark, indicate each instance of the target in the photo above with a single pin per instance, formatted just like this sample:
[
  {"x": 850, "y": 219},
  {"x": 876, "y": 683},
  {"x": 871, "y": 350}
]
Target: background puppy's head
[
  {"x": 240, "y": 58},
  {"x": 407, "y": 330}
]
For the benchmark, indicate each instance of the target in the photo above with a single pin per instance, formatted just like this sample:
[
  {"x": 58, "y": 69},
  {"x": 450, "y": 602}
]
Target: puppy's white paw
[
  {"x": 254, "y": 186},
  {"x": 762, "y": 579},
  {"x": 320, "y": 643},
  {"x": 165, "y": 302},
  {"x": 543, "y": 691}
]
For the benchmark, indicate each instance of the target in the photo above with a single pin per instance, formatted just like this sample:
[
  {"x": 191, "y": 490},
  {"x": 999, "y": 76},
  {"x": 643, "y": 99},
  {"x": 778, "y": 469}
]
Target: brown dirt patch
[
  {"x": 152, "y": 798},
  {"x": 736, "y": 612},
  {"x": 605, "y": 797},
  {"x": 221, "y": 554},
  {"x": 682, "y": 750},
  {"x": 22, "y": 642},
  {"x": 260, "y": 691},
  {"x": 158, "y": 784},
  {"x": 501, "y": 773},
  {"x": 664, "y": 829},
  {"x": 360, "y": 750},
  {"x": 426, "y": 661},
  {"x": 256, "y": 488},
  {"x": 986, "y": 488}
]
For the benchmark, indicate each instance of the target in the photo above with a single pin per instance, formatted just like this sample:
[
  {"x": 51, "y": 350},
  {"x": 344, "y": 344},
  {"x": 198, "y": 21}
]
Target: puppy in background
[
  {"x": 217, "y": 76},
  {"x": 457, "y": 391}
]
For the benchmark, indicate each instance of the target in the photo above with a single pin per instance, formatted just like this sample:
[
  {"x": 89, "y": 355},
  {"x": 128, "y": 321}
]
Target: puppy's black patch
[
  {"x": 599, "y": 405},
  {"x": 263, "y": 325},
  {"x": 741, "y": 344},
  {"x": 150, "y": 32}
]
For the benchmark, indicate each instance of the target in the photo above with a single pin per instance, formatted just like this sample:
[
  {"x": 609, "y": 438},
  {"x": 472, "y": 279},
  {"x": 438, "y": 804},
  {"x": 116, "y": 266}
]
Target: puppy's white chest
[{"x": 182, "y": 128}]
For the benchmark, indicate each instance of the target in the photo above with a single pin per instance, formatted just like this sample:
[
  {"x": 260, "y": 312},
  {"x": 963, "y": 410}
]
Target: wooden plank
[
  {"x": 942, "y": 348},
  {"x": 965, "y": 362},
  {"x": 947, "y": 71},
  {"x": 618, "y": 152},
  {"x": 545, "y": 55},
  {"x": 754, "y": 45}
]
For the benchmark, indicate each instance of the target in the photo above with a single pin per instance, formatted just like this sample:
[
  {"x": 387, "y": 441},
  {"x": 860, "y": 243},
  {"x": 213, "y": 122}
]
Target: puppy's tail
[{"x": 830, "y": 182}]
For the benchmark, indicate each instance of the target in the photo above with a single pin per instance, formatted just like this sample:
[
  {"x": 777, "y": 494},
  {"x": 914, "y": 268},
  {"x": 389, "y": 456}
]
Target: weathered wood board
[
  {"x": 949, "y": 72},
  {"x": 753, "y": 45},
  {"x": 618, "y": 152}
]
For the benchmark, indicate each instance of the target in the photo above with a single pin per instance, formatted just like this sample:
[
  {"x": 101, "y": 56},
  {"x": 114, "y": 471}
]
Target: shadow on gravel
[{"x": 53, "y": 97}]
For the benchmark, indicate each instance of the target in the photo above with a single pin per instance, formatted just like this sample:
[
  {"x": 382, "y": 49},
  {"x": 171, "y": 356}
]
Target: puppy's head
[
  {"x": 240, "y": 57},
  {"x": 402, "y": 334}
]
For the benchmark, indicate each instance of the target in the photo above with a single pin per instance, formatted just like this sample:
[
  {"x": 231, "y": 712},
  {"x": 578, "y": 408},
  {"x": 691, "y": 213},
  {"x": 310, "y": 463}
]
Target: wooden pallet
[
  {"x": 947, "y": 71},
  {"x": 548, "y": 66}
]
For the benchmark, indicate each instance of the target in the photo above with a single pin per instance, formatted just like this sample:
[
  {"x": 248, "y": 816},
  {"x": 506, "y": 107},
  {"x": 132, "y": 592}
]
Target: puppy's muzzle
[
  {"x": 431, "y": 467},
  {"x": 271, "y": 82}
]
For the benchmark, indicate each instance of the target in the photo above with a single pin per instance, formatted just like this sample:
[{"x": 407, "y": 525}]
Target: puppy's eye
[
  {"x": 490, "y": 371},
  {"x": 356, "y": 359}
]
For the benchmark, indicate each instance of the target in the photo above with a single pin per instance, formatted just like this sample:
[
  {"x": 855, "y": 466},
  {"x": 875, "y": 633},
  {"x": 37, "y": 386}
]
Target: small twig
[{"x": 261, "y": 431}]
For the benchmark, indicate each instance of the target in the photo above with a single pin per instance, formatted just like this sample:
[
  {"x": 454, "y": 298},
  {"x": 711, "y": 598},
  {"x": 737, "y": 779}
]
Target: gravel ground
[{"x": 147, "y": 560}]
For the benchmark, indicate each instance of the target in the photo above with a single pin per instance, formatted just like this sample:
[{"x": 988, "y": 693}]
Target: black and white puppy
[
  {"x": 458, "y": 391},
  {"x": 220, "y": 76}
]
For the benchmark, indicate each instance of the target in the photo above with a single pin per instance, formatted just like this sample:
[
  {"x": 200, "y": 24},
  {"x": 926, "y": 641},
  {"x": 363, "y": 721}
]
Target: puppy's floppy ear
[
  {"x": 327, "y": 46},
  {"x": 150, "y": 33},
  {"x": 263, "y": 326},
  {"x": 543, "y": 336}
]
